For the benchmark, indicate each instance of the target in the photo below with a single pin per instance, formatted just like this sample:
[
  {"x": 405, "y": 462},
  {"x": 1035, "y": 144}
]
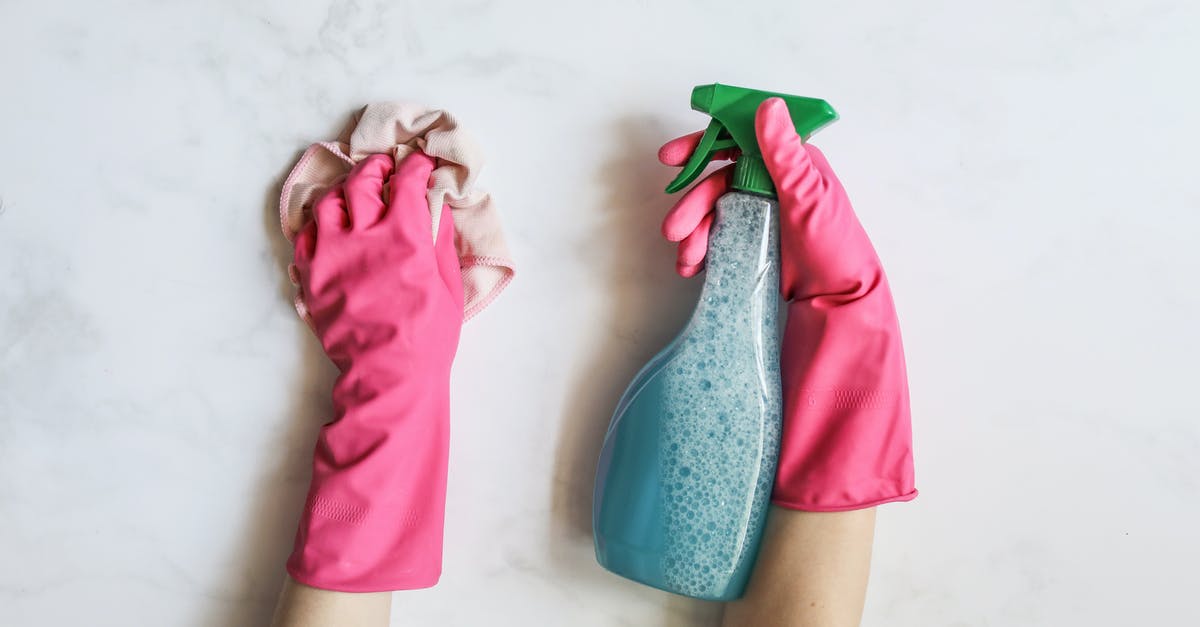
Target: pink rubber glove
[
  {"x": 847, "y": 437},
  {"x": 386, "y": 303}
]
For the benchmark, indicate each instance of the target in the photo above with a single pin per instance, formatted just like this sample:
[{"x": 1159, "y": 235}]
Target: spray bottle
[{"x": 688, "y": 462}]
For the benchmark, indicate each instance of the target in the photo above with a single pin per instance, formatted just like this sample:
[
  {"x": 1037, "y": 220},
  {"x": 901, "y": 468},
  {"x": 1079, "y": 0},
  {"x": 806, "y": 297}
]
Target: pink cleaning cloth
[{"x": 399, "y": 129}]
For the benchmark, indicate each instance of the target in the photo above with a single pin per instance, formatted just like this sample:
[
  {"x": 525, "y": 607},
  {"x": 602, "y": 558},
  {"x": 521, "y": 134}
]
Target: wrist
[{"x": 375, "y": 509}]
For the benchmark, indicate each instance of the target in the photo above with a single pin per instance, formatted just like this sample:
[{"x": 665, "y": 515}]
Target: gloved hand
[
  {"x": 387, "y": 306},
  {"x": 847, "y": 438}
]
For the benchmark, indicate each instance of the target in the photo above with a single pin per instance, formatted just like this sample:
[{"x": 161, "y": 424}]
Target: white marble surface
[{"x": 1028, "y": 173}]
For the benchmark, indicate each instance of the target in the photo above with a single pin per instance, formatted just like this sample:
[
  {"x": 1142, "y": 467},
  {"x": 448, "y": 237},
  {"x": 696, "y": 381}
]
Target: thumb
[{"x": 783, "y": 151}]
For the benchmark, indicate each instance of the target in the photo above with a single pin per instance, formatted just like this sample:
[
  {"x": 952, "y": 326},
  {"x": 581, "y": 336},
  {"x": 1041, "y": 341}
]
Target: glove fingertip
[
  {"x": 677, "y": 151},
  {"x": 688, "y": 271},
  {"x": 375, "y": 166},
  {"x": 671, "y": 231},
  {"x": 782, "y": 148}
]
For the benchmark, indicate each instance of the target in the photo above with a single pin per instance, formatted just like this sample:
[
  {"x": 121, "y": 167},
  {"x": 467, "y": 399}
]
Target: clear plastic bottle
[{"x": 688, "y": 462}]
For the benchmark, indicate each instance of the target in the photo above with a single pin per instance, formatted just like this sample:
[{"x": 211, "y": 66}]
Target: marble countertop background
[{"x": 1028, "y": 173}]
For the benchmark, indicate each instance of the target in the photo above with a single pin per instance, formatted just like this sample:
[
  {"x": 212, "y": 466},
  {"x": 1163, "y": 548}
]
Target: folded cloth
[{"x": 398, "y": 129}]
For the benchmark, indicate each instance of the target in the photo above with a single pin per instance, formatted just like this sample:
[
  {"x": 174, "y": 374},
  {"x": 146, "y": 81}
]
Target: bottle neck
[
  {"x": 743, "y": 244},
  {"x": 750, "y": 175}
]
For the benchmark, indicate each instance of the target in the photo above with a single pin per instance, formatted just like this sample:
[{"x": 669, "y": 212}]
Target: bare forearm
[
  {"x": 811, "y": 572},
  {"x": 305, "y": 606}
]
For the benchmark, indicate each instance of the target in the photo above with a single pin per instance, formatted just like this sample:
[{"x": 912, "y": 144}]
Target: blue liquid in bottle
[{"x": 688, "y": 463}]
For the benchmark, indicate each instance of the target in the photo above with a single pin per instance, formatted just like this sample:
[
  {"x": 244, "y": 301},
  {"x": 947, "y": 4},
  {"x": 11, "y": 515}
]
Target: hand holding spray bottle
[
  {"x": 689, "y": 459},
  {"x": 694, "y": 445}
]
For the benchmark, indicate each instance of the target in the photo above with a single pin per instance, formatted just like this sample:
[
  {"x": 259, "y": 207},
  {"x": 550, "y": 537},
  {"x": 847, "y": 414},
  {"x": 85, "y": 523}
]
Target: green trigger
[{"x": 715, "y": 139}]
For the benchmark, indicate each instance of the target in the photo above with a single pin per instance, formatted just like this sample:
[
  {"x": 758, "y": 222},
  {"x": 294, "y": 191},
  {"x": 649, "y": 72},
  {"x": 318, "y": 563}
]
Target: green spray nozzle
[{"x": 732, "y": 126}]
